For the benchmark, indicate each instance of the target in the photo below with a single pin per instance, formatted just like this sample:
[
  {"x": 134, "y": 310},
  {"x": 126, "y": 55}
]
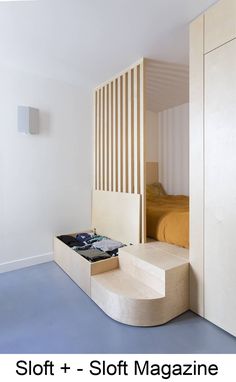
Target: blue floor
[{"x": 43, "y": 311}]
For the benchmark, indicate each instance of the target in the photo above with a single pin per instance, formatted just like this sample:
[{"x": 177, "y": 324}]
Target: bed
[
  {"x": 168, "y": 219},
  {"x": 167, "y": 215}
]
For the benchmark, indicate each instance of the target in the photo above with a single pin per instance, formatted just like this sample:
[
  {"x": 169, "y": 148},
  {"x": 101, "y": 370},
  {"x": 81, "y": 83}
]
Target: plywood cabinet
[
  {"x": 220, "y": 186},
  {"x": 220, "y": 24},
  {"x": 196, "y": 163},
  {"x": 213, "y": 150}
]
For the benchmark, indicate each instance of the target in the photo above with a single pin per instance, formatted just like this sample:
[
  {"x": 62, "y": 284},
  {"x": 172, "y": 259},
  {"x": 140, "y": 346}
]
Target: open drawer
[{"x": 78, "y": 268}]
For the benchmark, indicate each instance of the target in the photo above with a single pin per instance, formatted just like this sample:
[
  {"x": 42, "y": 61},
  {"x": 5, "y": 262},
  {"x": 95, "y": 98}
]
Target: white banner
[{"x": 93, "y": 367}]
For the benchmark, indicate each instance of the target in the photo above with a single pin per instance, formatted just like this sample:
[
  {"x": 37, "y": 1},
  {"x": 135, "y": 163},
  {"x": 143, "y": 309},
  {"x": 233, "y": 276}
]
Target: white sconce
[{"x": 27, "y": 120}]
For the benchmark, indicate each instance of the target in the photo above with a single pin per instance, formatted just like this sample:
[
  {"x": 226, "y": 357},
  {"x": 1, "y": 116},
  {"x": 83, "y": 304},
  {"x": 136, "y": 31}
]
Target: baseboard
[{"x": 27, "y": 262}]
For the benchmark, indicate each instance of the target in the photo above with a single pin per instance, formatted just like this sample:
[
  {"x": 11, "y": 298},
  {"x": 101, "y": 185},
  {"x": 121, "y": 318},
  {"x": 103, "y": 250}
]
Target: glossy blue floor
[{"x": 43, "y": 311}]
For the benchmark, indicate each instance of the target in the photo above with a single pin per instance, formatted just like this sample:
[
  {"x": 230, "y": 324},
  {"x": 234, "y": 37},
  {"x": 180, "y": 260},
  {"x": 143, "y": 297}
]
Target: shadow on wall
[{"x": 44, "y": 123}]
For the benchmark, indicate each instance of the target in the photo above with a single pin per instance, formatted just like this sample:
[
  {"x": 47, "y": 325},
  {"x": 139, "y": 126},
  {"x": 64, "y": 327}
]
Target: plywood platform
[
  {"x": 150, "y": 287},
  {"x": 146, "y": 285},
  {"x": 122, "y": 284}
]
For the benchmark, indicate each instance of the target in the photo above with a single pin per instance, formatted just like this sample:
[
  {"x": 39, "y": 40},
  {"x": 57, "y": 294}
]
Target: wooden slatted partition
[{"x": 119, "y": 136}]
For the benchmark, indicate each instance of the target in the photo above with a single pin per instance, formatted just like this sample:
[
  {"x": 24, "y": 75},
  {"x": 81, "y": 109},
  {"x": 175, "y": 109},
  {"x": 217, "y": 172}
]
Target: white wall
[
  {"x": 167, "y": 142},
  {"x": 173, "y": 149},
  {"x": 45, "y": 180},
  {"x": 152, "y": 136}
]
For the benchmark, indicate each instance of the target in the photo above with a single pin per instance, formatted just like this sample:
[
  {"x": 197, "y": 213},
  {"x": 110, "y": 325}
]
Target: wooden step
[
  {"x": 126, "y": 299},
  {"x": 122, "y": 284},
  {"x": 150, "y": 287},
  {"x": 162, "y": 255},
  {"x": 146, "y": 285},
  {"x": 150, "y": 262}
]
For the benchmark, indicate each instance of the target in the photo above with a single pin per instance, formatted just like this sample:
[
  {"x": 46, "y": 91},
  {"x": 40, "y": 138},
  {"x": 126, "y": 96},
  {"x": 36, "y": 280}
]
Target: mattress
[{"x": 168, "y": 219}]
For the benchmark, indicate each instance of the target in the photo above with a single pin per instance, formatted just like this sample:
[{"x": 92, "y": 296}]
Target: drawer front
[{"x": 73, "y": 264}]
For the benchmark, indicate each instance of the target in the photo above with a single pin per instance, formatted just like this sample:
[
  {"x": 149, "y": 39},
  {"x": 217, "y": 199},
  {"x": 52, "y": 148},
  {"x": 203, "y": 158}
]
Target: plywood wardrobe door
[
  {"x": 196, "y": 136},
  {"x": 220, "y": 187},
  {"x": 220, "y": 24}
]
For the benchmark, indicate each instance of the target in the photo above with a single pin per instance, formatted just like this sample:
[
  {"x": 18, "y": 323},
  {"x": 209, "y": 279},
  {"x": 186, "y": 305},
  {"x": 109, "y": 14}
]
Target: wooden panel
[
  {"x": 125, "y": 132},
  {"x": 102, "y": 152},
  {"x": 151, "y": 172},
  {"x": 104, "y": 265},
  {"x": 110, "y": 101},
  {"x": 142, "y": 143},
  {"x": 136, "y": 133},
  {"x": 220, "y": 24},
  {"x": 106, "y": 138},
  {"x": 130, "y": 131},
  {"x": 95, "y": 139},
  {"x": 220, "y": 187},
  {"x": 115, "y": 138},
  {"x": 119, "y": 136},
  {"x": 196, "y": 165},
  {"x": 77, "y": 267},
  {"x": 73, "y": 264},
  {"x": 117, "y": 215},
  {"x": 98, "y": 124}
]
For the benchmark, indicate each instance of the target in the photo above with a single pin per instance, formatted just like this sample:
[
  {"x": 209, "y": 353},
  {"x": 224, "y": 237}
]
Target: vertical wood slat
[
  {"x": 130, "y": 132},
  {"x": 125, "y": 132},
  {"x": 105, "y": 130},
  {"x": 108, "y": 138},
  {"x": 136, "y": 130},
  {"x": 116, "y": 134},
  {"x": 119, "y": 164},
  {"x": 115, "y": 170},
  {"x": 142, "y": 108},
  {"x": 111, "y": 136},
  {"x": 135, "y": 112},
  {"x": 103, "y": 139},
  {"x": 95, "y": 140},
  {"x": 120, "y": 134},
  {"x": 99, "y": 141}
]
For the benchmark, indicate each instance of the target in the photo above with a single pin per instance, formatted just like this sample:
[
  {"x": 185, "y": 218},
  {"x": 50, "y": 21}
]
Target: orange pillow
[{"x": 155, "y": 190}]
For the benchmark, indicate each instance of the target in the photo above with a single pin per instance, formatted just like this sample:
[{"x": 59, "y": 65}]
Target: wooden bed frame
[{"x": 147, "y": 284}]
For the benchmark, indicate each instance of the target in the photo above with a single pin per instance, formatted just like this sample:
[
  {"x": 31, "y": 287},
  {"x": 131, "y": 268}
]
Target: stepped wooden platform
[
  {"x": 147, "y": 285},
  {"x": 149, "y": 288}
]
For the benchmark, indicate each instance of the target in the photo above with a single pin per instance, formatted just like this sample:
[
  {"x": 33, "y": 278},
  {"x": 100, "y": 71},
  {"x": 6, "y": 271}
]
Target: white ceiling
[
  {"x": 88, "y": 41},
  {"x": 167, "y": 85}
]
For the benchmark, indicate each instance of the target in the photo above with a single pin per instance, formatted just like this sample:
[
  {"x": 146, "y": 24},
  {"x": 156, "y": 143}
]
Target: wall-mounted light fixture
[{"x": 27, "y": 120}]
